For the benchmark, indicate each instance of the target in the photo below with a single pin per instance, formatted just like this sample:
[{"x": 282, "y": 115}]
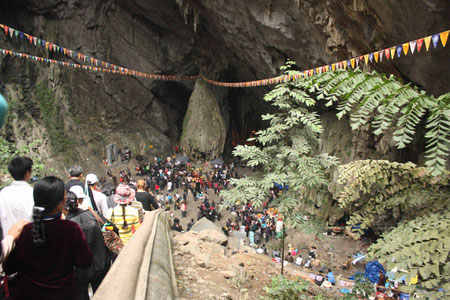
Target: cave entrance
[
  {"x": 175, "y": 99},
  {"x": 245, "y": 118}
]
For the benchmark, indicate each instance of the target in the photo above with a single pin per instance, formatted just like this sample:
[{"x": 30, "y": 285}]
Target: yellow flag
[
  {"x": 392, "y": 52},
  {"x": 352, "y": 61},
  {"x": 376, "y": 55},
  {"x": 405, "y": 48},
  {"x": 366, "y": 58},
  {"x": 333, "y": 67},
  {"x": 444, "y": 37},
  {"x": 327, "y": 68},
  {"x": 345, "y": 64},
  {"x": 427, "y": 42}
]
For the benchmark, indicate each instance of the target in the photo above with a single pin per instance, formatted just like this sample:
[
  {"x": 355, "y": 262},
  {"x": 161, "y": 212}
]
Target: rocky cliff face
[{"x": 77, "y": 113}]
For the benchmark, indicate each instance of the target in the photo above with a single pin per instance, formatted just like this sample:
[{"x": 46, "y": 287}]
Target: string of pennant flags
[{"x": 96, "y": 65}]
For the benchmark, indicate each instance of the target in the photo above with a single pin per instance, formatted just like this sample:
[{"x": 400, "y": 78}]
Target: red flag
[
  {"x": 419, "y": 44},
  {"x": 6, "y": 29},
  {"x": 387, "y": 53}
]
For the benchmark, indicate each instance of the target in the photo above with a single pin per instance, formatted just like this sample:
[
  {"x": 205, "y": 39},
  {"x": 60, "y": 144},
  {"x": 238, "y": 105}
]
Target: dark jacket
[
  {"x": 47, "y": 272},
  {"x": 94, "y": 237}
]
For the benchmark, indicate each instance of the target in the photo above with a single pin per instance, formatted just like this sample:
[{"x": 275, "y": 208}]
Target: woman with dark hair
[
  {"x": 49, "y": 248},
  {"x": 123, "y": 215},
  {"x": 94, "y": 237}
]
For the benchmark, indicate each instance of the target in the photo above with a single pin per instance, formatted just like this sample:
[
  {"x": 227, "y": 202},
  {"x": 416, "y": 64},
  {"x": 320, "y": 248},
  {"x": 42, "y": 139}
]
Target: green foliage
[
  {"x": 50, "y": 111},
  {"x": 10, "y": 150},
  {"x": 383, "y": 103},
  {"x": 285, "y": 289},
  {"x": 286, "y": 153},
  {"x": 421, "y": 247},
  {"x": 378, "y": 190}
]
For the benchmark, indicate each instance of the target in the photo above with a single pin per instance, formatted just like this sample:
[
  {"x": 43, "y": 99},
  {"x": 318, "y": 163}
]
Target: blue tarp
[
  {"x": 373, "y": 269},
  {"x": 280, "y": 186}
]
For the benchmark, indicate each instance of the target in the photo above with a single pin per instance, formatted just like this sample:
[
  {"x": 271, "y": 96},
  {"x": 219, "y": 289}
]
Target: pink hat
[{"x": 124, "y": 194}]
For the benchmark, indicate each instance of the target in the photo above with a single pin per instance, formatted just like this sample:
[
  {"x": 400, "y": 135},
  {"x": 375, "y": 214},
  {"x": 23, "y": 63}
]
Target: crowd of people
[{"x": 62, "y": 238}]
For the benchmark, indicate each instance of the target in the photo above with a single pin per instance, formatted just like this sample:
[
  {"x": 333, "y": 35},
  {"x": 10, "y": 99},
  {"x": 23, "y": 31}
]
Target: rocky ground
[{"x": 211, "y": 266}]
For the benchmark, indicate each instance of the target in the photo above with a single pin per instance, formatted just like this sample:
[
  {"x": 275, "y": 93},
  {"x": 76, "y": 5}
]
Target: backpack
[{"x": 109, "y": 190}]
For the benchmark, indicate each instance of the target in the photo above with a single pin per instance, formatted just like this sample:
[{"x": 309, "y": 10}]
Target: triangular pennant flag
[
  {"x": 399, "y": 50},
  {"x": 371, "y": 57},
  {"x": 16, "y": 33},
  {"x": 35, "y": 40},
  {"x": 327, "y": 68},
  {"x": 381, "y": 55},
  {"x": 444, "y": 37},
  {"x": 344, "y": 63},
  {"x": 412, "y": 46},
  {"x": 357, "y": 61},
  {"x": 435, "y": 39},
  {"x": 46, "y": 45},
  {"x": 340, "y": 65},
  {"x": 21, "y": 36},
  {"x": 43, "y": 43},
  {"x": 366, "y": 58},
  {"x": 376, "y": 55},
  {"x": 6, "y": 28},
  {"x": 30, "y": 38},
  {"x": 419, "y": 44},
  {"x": 50, "y": 46},
  {"x": 333, "y": 67},
  {"x": 427, "y": 42},
  {"x": 11, "y": 32},
  {"x": 392, "y": 52},
  {"x": 386, "y": 53},
  {"x": 352, "y": 62},
  {"x": 405, "y": 47}
]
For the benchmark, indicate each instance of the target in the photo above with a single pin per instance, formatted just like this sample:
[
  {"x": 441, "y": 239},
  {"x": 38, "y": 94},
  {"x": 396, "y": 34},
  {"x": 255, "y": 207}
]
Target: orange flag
[
  {"x": 405, "y": 48},
  {"x": 427, "y": 42},
  {"x": 376, "y": 55},
  {"x": 444, "y": 37}
]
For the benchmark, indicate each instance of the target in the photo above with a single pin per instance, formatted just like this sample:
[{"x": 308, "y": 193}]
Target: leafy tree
[
  {"x": 286, "y": 153},
  {"x": 285, "y": 289},
  {"x": 420, "y": 246},
  {"x": 379, "y": 192},
  {"x": 10, "y": 150},
  {"x": 384, "y": 103}
]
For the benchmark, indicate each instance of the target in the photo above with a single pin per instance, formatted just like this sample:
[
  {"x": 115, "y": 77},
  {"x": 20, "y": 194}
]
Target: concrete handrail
[{"x": 144, "y": 268}]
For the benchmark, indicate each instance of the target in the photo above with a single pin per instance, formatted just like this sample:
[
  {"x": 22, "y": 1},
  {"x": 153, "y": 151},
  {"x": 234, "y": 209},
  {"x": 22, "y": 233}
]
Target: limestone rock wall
[{"x": 229, "y": 40}]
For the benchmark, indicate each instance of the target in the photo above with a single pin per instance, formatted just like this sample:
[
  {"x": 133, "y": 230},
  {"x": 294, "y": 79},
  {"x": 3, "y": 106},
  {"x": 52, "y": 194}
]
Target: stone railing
[{"x": 144, "y": 269}]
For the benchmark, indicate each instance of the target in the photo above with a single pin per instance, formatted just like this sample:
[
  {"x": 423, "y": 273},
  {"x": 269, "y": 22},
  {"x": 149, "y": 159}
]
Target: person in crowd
[
  {"x": 79, "y": 193},
  {"x": 312, "y": 252},
  {"x": 123, "y": 215},
  {"x": 100, "y": 202},
  {"x": 48, "y": 250},
  {"x": 176, "y": 225},
  {"x": 93, "y": 233},
  {"x": 75, "y": 175},
  {"x": 290, "y": 258},
  {"x": 138, "y": 205},
  {"x": 299, "y": 260},
  {"x": 183, "y": 209},
  {"x": 190, "y": 224},
  {"x": 148, "y": 201},
  {"x": 330, "y": 277},
  {"x": 16, "y": 200}
]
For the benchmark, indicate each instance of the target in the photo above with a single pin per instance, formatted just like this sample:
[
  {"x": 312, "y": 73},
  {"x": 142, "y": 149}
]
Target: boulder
[
  {"x": 204, "y": 224},
  {"x": 204, "y": 128},
  {"x": 214, "y": 236},
  {"x": 203, "y": 260}
]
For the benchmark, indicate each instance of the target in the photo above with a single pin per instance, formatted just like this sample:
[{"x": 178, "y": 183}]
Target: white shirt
[
  {"x": 299, "y": 261},
  {"x": 100, "y": 200},
  {"x": 16, "y": 203},
  {"x": 169, "y": 185}
]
